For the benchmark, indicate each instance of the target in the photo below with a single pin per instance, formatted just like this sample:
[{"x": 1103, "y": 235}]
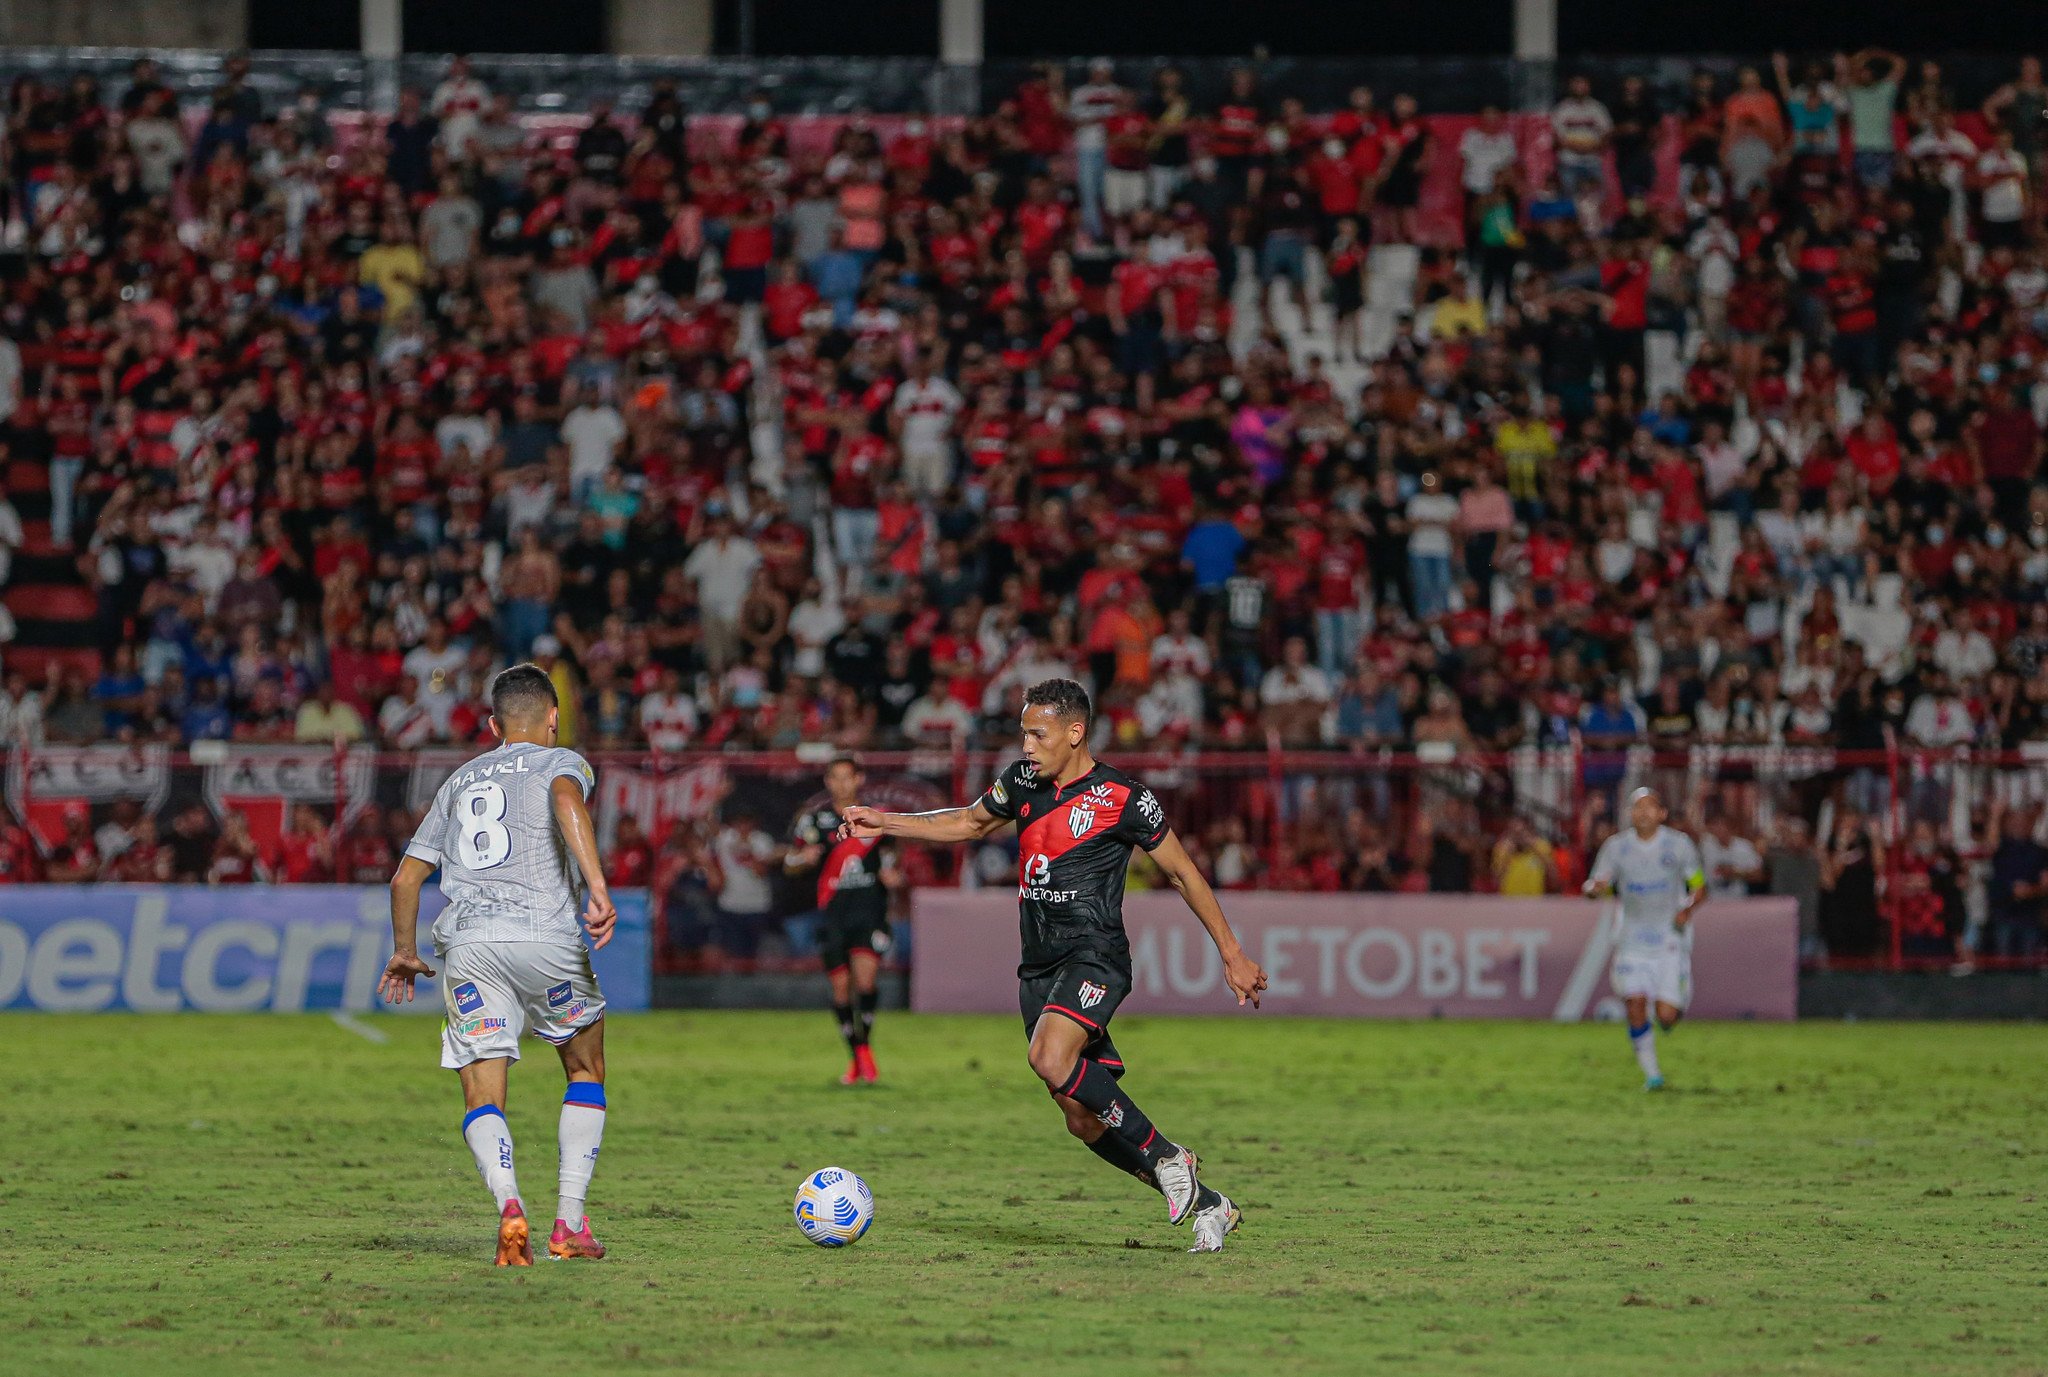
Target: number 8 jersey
[{"x": 491, "y": 829}]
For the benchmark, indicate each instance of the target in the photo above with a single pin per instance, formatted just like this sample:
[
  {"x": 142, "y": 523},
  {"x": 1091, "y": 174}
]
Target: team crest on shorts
[
  {"x": 1079, "y": 820},
  {"x": 1091, "y": 994},
  {"x": 468, "y": 999}
]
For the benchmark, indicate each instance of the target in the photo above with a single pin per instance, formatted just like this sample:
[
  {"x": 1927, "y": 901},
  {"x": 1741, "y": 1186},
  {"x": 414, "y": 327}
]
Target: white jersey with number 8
[{"x": 491, "y": 829}]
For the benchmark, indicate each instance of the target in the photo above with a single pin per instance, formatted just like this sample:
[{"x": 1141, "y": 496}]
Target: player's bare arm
[
  {"x": 599, "y": 917},
  {"x": 942, "y": 825},
  {"x": 1242, "y": 974},
  {"x": 405, "y": 965}
]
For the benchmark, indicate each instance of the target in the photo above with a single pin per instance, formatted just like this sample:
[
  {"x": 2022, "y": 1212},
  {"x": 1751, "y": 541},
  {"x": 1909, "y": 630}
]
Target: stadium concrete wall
[
  {"x": 281, "y": 948},
  {"x": 1371, "y": 956}
]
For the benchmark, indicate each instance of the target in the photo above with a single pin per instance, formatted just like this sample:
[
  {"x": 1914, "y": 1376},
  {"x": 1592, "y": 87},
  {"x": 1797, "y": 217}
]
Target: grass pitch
[{"x": 184, "y": 1194}]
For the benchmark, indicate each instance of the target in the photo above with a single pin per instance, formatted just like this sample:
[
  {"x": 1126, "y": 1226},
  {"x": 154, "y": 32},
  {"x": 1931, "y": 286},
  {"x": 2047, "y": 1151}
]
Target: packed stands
[{"x": 1436, "y": 472}]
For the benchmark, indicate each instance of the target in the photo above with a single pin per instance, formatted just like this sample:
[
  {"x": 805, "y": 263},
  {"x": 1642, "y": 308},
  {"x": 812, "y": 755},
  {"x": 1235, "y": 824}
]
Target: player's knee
[{"x": 1052, "y": 1066}]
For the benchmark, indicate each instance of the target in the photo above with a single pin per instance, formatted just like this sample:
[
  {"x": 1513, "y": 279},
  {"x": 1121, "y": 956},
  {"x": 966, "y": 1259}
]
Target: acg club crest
[{"x": 1079, "y": 820}]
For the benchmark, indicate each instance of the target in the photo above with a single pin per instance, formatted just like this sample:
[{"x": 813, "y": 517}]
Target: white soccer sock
[
  {"x": 490, "y": 1142},
  {"x": 582, "y": 1132},
  {"x": 1644, "y": 1040}
]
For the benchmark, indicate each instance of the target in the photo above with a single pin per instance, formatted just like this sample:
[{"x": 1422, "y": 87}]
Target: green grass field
[{"x": 280, "y": 1195}]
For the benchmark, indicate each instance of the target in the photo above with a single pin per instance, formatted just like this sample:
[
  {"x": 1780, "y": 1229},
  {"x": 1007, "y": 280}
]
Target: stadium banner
[
  {"x": 48, "y": 784},
  {"x": 276, "y": 948},
  {"x": 262, "y": 783},
  {"x": 1371, "y": 956}
]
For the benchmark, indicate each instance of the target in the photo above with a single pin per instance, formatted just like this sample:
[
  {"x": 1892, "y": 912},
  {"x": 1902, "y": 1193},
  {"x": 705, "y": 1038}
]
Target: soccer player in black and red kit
[
  {"x": 854, "y": 877},
  {"x": 1078, "y": 820}
]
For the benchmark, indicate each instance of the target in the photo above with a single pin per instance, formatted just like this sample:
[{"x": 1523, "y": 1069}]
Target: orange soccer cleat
[
  {"x": 852, "y": 1074},
  {"x": 864, "y": 1064},
  {"x": 581, "y": 1243},
  {"x": 515, "y": 1248}
]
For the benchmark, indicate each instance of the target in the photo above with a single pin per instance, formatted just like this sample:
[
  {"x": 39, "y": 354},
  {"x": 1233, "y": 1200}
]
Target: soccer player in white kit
[
  {"x": 503, "y": 830},
  {"x": 1656, "y": 876}
]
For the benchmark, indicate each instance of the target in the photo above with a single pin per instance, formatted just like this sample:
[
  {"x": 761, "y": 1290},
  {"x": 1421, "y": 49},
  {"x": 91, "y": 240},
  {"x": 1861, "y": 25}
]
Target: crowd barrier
[
  {"x": 1373, "y": 956},
  {"x": 285, "y": 949},
  {"x": 1279, "y": 813}
]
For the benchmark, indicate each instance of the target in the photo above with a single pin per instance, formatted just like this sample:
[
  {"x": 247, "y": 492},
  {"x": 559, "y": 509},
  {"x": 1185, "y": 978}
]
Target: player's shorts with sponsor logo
[
  {"x": 1663, "y": 975},
  {"x": 1086, "y": 988},
  {"x": 497, "y": 990}
]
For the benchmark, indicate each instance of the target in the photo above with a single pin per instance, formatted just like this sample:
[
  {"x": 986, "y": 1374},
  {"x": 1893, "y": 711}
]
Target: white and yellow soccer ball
[{"x": 834, "y": 1207}]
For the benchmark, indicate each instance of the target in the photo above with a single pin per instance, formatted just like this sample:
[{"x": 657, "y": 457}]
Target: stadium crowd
[{"x": 1717, "y": 421}]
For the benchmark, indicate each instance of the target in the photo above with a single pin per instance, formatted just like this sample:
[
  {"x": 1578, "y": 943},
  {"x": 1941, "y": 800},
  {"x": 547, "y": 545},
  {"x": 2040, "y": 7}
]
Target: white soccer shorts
[
  {"x": 497, "y": 990},
  {"x": 1664, "y": 977}
]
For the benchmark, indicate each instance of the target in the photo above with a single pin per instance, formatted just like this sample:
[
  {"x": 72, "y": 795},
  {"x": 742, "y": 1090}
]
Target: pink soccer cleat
[{"x": 582, "y": 1243}]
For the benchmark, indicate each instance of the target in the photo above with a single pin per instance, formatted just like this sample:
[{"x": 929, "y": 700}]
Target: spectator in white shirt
[
  {"x": 1582, "y": 127},
  {"x": 937, "y": 720},
  {"x": 405, "y": 722},
  {"x": 922, "y": 420},
  {"x": 1939, "y": 718},
  {"x": 1088, "y": 108},
  {"x": 1294, "y": 696},
  {"x": 2000, "y": 178},
  {"x": 1485, "y": 151},
  {"x": 1964, "y": 652},
  {"x": 668, "y": 716},
  {"x": 1730, "y": 859},
  {"x": 459, "y": 103},
  {"x": 813, "y": 623},
  {"x": 722, "y": 568},
  {"x": 593, "y": 430},
  {"x": 1177, "y": 649}
]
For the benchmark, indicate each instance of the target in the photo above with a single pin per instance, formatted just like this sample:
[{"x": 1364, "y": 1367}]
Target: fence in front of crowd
[{"x": 1888, "y": 852}]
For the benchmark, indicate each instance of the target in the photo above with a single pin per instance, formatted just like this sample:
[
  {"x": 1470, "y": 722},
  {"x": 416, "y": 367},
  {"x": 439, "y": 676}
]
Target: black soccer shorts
[
  {"x": 841, "y": 934},
  {"x": 1086, "y": 989}
]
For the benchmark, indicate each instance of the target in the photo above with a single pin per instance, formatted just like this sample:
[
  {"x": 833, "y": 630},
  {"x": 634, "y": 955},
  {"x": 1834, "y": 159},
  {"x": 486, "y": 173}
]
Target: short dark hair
[
  {"x": 850, "y": 762},
  {"x": 522, "y": 693},
  {"x": 1063, "y": 696}
]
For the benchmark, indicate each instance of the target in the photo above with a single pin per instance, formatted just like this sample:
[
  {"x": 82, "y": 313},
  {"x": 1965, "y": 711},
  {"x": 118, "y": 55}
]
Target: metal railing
[{"x": 1889, "y": 851}]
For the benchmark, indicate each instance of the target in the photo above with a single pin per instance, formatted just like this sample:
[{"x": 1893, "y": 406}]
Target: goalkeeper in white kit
[
  {"x": 510, "y": 833},
  {"x": 1655, "y": 874}
]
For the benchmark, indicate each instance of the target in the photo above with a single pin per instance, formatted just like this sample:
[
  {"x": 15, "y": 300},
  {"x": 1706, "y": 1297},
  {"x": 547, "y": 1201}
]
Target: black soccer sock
[
  {"x": 1094, "y": 1089},
  {"x": 1121, "y": 1155},
  {"x": 868, "y": 1000},
  {"x": 848, "y": 1029}
]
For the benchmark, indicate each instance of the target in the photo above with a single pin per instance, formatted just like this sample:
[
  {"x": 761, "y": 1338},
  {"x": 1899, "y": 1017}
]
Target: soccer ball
[{"x": 834, "y": 1207}]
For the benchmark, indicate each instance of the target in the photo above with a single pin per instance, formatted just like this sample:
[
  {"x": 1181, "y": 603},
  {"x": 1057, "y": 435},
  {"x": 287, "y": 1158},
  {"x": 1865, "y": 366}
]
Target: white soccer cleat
[
  {"x": 1175, "y": 1174},
  {"x": 1213, "y": 1223}
]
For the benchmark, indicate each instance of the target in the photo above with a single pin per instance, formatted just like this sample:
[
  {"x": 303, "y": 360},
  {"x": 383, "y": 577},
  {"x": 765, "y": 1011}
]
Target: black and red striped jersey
[
  {"x": 1073, "y": 846},
  {"x": 850, "y": 880}
]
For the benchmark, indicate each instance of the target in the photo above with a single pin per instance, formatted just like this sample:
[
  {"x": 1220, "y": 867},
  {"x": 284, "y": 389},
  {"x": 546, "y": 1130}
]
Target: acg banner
[
  {"x": 148, "y": 948},
  {"x": 42, "y": 784},
  {"x": 1385, "y": 956},
  {"x": 263, "y": 782}
]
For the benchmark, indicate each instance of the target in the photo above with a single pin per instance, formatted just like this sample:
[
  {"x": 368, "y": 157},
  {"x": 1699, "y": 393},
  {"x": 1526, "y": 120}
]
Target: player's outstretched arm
[
  {"x": 405, "y": 965},
  {"x": 1242, "y": 974},
  {"x": 581, "y": 838},
  {"x": 945, "y": 825}
]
